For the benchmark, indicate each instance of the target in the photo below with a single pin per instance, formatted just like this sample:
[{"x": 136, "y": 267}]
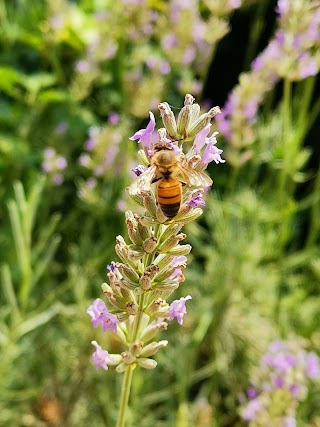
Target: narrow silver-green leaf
[{"x": 45, "y": 259}]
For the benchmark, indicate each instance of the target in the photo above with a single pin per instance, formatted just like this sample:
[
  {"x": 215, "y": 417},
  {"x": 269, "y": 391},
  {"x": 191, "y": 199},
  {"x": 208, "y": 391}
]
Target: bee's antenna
[{"x": 175, "y": 108}]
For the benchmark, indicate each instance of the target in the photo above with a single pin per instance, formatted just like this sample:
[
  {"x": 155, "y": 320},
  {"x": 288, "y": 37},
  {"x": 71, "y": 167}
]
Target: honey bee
[{"x": 170, "y": 172}]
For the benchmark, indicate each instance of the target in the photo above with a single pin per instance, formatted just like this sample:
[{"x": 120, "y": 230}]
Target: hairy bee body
[{"x": 167, "y": 170}]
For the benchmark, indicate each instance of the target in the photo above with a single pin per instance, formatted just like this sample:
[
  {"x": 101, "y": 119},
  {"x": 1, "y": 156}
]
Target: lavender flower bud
[
  {"x": 153, "y": 348},
  {"x": 171, "y": 230},
  {"x": 152, "y": 270},
  {"x": 131, "y": 308},
  {"x": 162, "y": 261},
  {"x": 145, "y": 282},
  {"x": 171, "y": 242},
  {"x": 114, "y": 359},
  {"x": 152, "y": 330},
  {"x": 158, "y": 306},
  {"x": 128, "y": 357},
  {"x": 160, "y": 216},
  {"x": 150, "y": 204},
  {"x": 143, "y": 157},
  {"x": 168, "y": 120},
  {"x": 150, "y": 244},
  {"x": 135, "y": 253},
  {"x": 180, "y": 250},
  {"x": 122, "y": 249},
  {"x": 136, "y": 348},
  {"x": 183, "y": 120},
  {"x": 148, "y": 221},
  {"x": 192, "y": 215},
  {"x": 147, "y": 363},
  {"x": 201, "y": 122},
  {"x": 132, "y": 226},
  {"x": 128, "y": 273},
  {"x": 142, "y": 230},
  {"x": 194, "y": 112}
]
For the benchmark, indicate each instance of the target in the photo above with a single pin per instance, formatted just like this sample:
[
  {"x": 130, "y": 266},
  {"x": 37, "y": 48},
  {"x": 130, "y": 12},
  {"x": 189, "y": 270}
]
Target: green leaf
[
  {"x": 44, "y": 236},
  {"x": 9, "y": 78},
  {"x": 53, "y": 96},
  {"x": 38, "y": 320},
  {"x": 8, "y": 289},
  {"x": 36, "y": 82},
  {"x": 45, "y": 259}
]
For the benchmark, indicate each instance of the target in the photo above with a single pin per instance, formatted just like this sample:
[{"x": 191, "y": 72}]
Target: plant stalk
[{"x": 125, "y": 393}]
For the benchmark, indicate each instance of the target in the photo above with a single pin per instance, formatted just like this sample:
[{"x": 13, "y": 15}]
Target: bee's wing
[
  {"x": 143, "y": 183},
  {"x": 194, "y": 178}
]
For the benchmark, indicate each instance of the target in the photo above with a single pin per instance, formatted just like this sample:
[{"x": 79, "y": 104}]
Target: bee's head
[{"x": 160, "y": 146}]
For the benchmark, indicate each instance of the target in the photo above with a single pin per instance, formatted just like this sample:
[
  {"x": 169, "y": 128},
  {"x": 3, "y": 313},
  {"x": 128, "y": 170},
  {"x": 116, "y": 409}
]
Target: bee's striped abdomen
[{"x": 169, "y": 196}]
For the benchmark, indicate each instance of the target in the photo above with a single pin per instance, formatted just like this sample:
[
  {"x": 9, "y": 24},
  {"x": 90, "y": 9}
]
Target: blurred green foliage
[{"x": 255, "y": 266}]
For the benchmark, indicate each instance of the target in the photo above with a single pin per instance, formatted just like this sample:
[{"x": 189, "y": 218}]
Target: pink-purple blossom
[
  {"x": 144, "y": 136},
  {"x": 138, "y": 170},
  {"x": 178, "y": 309},
  {"x": 101, "y": 316},
  {"x": 312, "y": 365},
  {"x": 100, "y": 357},
  {"x": 197, "y": 200},
  {"x": 112, "y": 267}
]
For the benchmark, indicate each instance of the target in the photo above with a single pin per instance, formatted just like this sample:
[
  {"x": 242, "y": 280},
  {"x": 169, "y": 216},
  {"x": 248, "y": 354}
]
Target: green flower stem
[
  {"x": 125, "y": 392},
  {"x": 128, "y": 374}
]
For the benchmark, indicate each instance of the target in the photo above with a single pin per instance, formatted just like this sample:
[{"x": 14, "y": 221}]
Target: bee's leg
[
  {"x": 183, "y": 184},
  {"x": 156, "y": 180}
]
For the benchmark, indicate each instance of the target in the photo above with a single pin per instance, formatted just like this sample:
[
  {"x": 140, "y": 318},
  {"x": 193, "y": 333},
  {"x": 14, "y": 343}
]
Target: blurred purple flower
[
  {"x": 289, "y": 422},
  {"x": 91, "y": 183},
  {"x": 82, "y": 66},
  {"x": 249, "y": 412},
  {"x": 111, "y": 50},
  {"x": 84, "y": 159},
  {"x": 308, "y": 66},
  {"x": 61, "y": 128},
  {"x": 283, "y": 7},
  {"x": 278, "y": 382},
  {"x": 46, "y": 166},
  {"x": 312, "y": 365},
  {"x": 295, "y": 390},
  {"x": 252, "y": 393},
  {"x": 113, "y": 118},
  {"x": 189, "y": 55},
  {"x": 164, "y": 67},
  {"x": 49, "y": 153},
  {"x": 101, "y": 15},
  {"x": 235, "y": 4},
  {"x": 169, "y": 41},
  {"x": 57, "y": 22},
  {"x": 61, "y": 163},
  {"x": 57, "y": 179}
]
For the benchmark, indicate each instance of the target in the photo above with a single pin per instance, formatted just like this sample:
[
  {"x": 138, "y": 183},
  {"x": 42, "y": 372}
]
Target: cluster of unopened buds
[{"x": 151, "y": 265}]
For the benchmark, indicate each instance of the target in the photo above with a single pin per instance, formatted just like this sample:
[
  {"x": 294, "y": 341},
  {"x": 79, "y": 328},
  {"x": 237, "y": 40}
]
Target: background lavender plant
[{"x": 77, "y": 79}]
